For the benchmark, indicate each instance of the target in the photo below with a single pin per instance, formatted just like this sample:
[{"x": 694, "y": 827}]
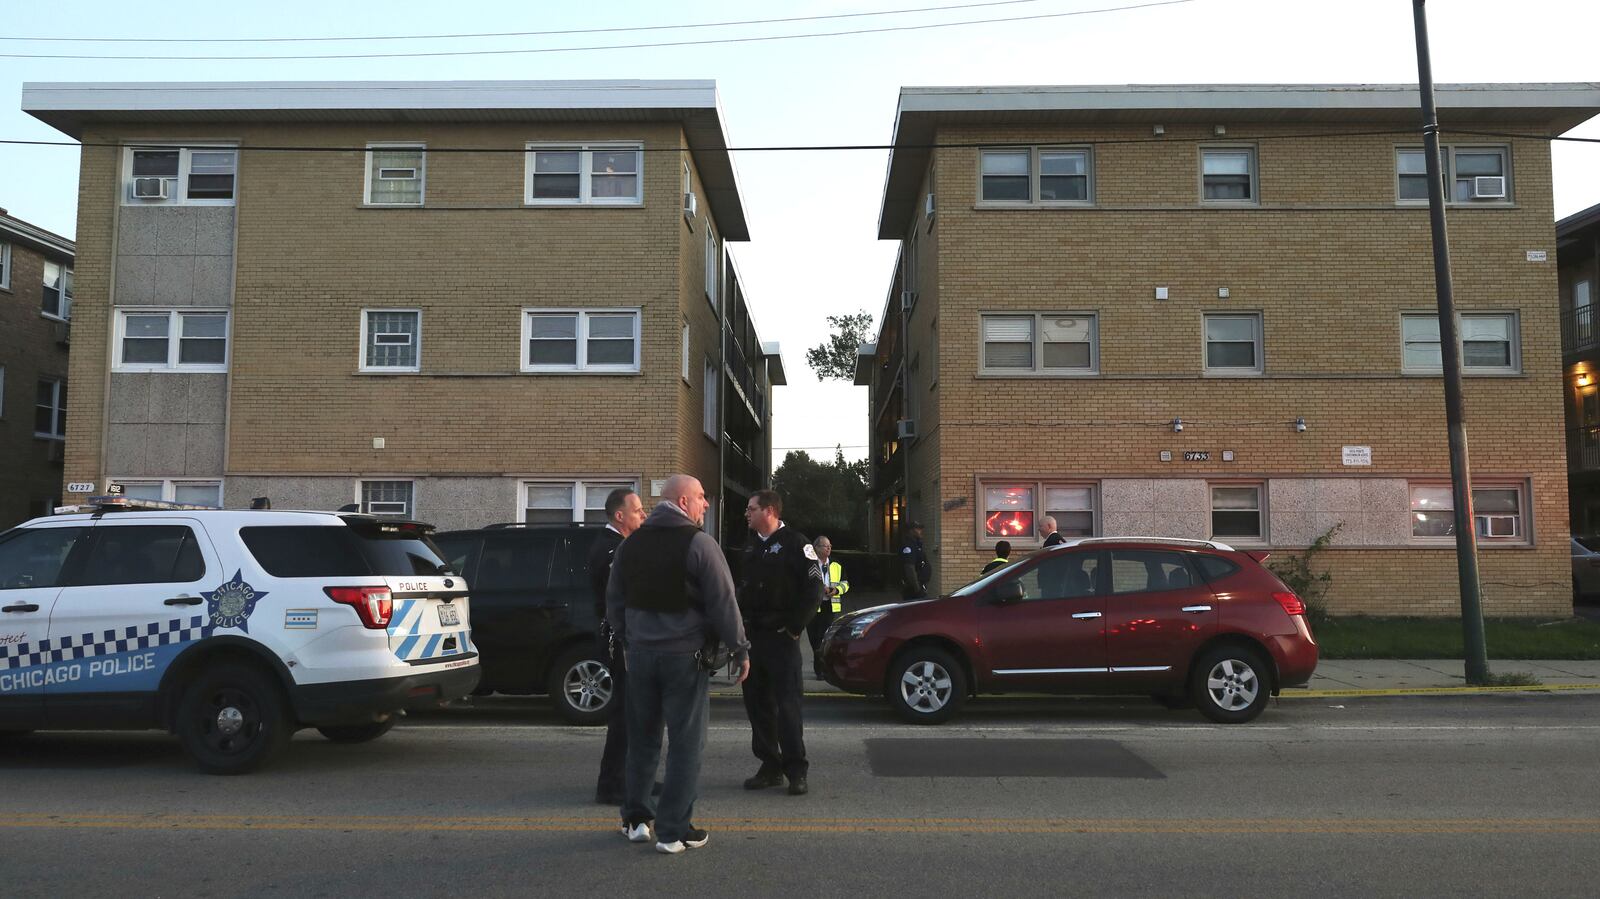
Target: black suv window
[
  {"x": 1143, "y": 571},
  {"x": 317, "y": 551},
  {"x": 143, "y": 554},
  {"x": 515, "y": 559},
  {"x": 570, "y": 567},
  {"x": 34, "y": 557}
]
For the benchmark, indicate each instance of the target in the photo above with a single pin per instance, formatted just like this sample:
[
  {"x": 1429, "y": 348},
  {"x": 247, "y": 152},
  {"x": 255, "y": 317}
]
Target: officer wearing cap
[{"x": 915, "y": 572}]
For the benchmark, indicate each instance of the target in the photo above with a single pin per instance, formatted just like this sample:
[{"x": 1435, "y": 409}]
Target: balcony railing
[
  {"x": 1578, "y": 329},
  {"x": 1583, "y": 449}
]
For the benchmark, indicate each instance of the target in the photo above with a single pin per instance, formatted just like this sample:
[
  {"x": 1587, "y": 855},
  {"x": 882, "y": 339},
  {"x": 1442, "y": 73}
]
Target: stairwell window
[
  {"x": 388, "y": 498},
  {"x": 584, "y": 174},
  {"x": 1489, "y": 343},
  {"x": 395, "y": 174},
  {"x": 50, "y": 410},
  {"x": 171, "y": 340},
  {"x": 573, "y": 340},
  {"x": 391, "y": 340},
  {"x": 1228, "y": 175}
]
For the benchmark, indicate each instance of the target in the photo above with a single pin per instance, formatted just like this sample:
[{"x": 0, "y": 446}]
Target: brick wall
[{"x": 29, "y": 352}]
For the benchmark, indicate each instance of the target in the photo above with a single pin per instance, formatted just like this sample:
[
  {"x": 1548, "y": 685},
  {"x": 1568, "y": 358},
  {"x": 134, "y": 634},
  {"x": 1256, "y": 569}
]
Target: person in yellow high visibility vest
[
  {"x": 835, "y": 587},
  {"x": 1002, "y": 556}
]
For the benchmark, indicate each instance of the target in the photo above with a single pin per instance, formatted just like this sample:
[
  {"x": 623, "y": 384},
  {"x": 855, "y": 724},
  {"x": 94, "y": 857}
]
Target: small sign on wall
[
  {"x": 1537, "y": 256},
  {"x": 657, "y": 485},
  {"x": 1358, "y": 455},
  {"x": 81, "y": 487}
]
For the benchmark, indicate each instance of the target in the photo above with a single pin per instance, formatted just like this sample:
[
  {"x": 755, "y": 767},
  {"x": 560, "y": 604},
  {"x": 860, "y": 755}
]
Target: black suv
[{"x": 533, "y": 618}]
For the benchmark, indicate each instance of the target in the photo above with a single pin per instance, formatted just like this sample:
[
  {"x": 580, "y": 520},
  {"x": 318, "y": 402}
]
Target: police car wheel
[
  {"x": 581, "y": 686},
  {"x": 926, "y": 686},
  {"x": 358, "y": 733},
  {"x": 233, "y": 719}
]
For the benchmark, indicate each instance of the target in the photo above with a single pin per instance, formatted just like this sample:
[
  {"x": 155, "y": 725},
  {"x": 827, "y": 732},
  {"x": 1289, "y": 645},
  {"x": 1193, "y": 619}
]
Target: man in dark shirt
[
  {"x": 780, "y": 591},
  {"x": 1047, "y": 530},
  {"x": 624, "y": 514},
  {"x": 915, "y": 572}
]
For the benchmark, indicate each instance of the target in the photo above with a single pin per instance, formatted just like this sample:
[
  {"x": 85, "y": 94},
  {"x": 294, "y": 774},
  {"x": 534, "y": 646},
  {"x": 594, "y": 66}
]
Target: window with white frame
[
  {"x": 1233, "y": 343},
  {"x": 1489, "y": 343},
  {"x": 1471, "y": 174},
  {"x": 56, "y": 299},
  {"x": 568, "y": 502},
  {"x": 175, "y": 176},
  {"x": 708, "y": 400},
  {"x": 713, "y": 265},
  {"x": 1228, "y": 174},
  {"x": 1497, "y": 512},
  {"x": 686, "y": 352},
  {"x": 5, "y": 265},
  {"x": 173, "y": 490},
  {"x": 597, "y": 174},
  {"x": 395, "y": 498},
  {"x": 395, "y": 174},
  {"x": 1040, "y": 343},
  {"x": 1236, "y": 512},
  {"x": 171, "y": 340},
  {"x": 1043, "y": 175},
  {"x": 1012, "y": 509},
  {"x": 573, "y": 340},
  {"x": 391, "y": 339},
  {"x": 50, "y": 409}
]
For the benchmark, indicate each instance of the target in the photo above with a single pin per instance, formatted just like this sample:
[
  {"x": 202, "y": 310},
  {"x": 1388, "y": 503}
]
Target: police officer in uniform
[
  {"x": 1002, "y": 556},
  {"x": 780, "y": 591},
  {"x": 624, "y": 514},
  {"x": 915, "y": 572},
  {"x": 834, "y": 587}
]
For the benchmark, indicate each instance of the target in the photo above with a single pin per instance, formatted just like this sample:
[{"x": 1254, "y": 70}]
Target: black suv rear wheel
[{"x": 581, "y": 685}]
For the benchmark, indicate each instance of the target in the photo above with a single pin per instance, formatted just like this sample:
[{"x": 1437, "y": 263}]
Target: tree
[
  {"x": 836, "y": 359},
  {"x": 824, "y": 498}
]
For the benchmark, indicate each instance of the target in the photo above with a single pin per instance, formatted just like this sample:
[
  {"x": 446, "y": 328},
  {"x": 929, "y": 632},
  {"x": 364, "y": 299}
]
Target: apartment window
[
  {"x": 1228, "y": 174},
  {"x": 391, "y": 340},
  {"x": 57, "y": 293},
  {"x": 1040, "y": 343},
  {"x": 171, "y": 340},
  {"x": 1042, "y": 175},
  {"x": 598, "y": 174},
  {"x": 394, "y": 498},
  {"x": 50, "y": 410},
  {"x": 685, "y": 356},
  {"x": 1233, "y": 344},
  {"x": 708, "y": 400},
  {"x": 713, "y": 266},
  {"x": 5, "y": 266},
  {"x": 173, "y": 490},
  {"x": 567, "y": 502},
  {"x": 1236, "y": 512},
  {"x": 580, "y": 340},
  {"x": 1012, "y": 510},
  {"x": 180, "y": 175},
  {"x": 1489, "y": 343},
  {"x": 1471, "y": 174},
  {"x": 1497, "y": 512},
  {"x": 395, "y": 174}
]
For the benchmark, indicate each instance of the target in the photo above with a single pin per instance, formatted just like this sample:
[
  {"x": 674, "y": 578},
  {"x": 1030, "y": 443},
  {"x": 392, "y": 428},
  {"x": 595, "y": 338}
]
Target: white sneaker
[
  {"x": 638, "y": 833},
  {"x": 694, "y": 839}
]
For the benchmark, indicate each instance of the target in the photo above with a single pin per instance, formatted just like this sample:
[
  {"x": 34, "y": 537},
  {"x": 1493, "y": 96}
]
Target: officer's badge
[{"x": 231, "y": 603}]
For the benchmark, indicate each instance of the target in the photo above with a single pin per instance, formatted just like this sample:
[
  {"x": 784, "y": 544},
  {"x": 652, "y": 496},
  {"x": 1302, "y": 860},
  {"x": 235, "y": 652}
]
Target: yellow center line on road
[{"x": 979, "y": 826}]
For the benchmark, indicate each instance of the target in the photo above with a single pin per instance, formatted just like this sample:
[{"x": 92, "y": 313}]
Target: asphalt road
[{"x": 1422, "y": 796}]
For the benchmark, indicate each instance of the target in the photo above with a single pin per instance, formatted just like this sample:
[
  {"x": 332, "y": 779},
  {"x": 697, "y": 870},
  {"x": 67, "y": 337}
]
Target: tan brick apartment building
[
  {"x": 1578, "y": 248},
  {"x": 467, "y": 302},
  {"x": 35, "y": 308},
  {"x": 1209, "y": 312}
]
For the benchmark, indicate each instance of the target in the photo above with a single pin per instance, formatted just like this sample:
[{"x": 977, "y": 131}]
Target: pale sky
[{"x": 813, "y": 215}]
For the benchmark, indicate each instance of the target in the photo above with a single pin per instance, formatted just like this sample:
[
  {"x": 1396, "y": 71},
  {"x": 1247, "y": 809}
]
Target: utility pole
[{"x": 1477, "y": 661}]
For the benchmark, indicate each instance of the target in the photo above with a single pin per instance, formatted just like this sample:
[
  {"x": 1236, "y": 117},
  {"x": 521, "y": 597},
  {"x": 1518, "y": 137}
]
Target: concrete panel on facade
[
  {"x": 165, "y": 447},
  {"x": 130, "y": 397},
  {"x": 213, "y": 280},
  {"x": 1352, "y": 527},
  {"x": 1295, "y": 495},
  {"x": 175, "y": 280},
  {"x": 1384, "y": 493},
  {"x": 136, "y": 231},
  {"x": 208, "y": 398},
  {"x": 453, "y": 503},
  {"x": 1126, "y": 495},
  {"x": 213, "y": 230},
  {"x": 126, "y": 449},
  {"x": 316, "y": 494},
  {"x": 1338, "y": 495},
  {"x": 202, "y": 450},
  {"x": 1174, "y": 495},
  {"x": 175, "y": 231},
  {"x": 1291, "y": 528},
  {"x": 135, "y": 281},
  {"x": 1387, "y": 528},
  {"x": 1188, "y": 525},
  {"x": 169, "y": 398},
  {"x": 1128, "y": 523}
]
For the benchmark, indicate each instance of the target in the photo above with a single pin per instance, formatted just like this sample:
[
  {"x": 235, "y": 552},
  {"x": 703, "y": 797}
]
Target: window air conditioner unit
[
  {"x": 908, "y": 298},
  {"x": 691, "y": 205},
  {"x": 927, "y": 209},
  {"x": 55, "y": 450},
  {"x": 63, "y": 333},
  {"x": 150, "y": 188},
  {"x": 905, "y": 428},
  {"x": 1489, "y": 187}
]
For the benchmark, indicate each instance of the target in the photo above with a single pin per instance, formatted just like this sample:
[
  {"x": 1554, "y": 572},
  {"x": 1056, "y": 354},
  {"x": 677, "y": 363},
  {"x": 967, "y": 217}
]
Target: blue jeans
[{"x": 667, "y": 689}]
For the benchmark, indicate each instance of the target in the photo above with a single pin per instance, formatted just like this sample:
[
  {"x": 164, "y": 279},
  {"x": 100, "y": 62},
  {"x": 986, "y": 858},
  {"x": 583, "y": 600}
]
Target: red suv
[{"x": 1184, "y": 621}]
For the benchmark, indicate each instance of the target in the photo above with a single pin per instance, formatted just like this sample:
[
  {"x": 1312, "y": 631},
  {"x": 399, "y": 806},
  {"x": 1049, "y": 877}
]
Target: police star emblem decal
[{"x": 231, "y": 603}]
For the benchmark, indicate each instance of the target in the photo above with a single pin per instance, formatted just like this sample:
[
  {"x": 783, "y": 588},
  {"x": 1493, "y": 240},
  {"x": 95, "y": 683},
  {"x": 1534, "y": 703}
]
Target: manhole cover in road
[{"x": 961, "y": 757}]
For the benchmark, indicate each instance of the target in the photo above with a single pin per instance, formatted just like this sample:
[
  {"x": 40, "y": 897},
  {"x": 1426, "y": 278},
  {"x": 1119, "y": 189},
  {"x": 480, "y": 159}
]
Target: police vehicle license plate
[{"x": 449, "y": 616}]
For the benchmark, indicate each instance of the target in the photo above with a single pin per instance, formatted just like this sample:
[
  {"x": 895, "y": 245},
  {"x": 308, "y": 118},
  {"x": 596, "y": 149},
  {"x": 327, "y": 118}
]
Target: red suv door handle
[
  {"x": 1195, "y": 610},
  {"x": 22, "y": 607}
]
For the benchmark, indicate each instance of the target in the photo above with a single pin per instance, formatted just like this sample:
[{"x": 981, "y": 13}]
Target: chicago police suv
[{"x": 228, "y": 628}]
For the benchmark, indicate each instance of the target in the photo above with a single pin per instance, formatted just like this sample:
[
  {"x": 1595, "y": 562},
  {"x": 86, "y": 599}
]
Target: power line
[
  {"x": 639, "y": 46},
  {"x": 473, "y": 35}
]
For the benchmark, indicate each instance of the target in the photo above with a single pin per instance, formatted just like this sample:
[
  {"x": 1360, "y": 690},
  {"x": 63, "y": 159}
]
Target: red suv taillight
[
  {"x": 374, "y": 605},
  {"x": 1290, "y": 603}
]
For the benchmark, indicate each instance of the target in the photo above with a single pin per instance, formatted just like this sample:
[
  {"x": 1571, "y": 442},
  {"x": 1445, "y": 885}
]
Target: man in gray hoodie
[{"x": 670, "y": 587}]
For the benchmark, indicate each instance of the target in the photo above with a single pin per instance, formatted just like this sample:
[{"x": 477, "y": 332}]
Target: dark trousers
[
  {"x": 668, "y": 690},
  {"x": 815, "y": 630},
  {"x": 615, "y": 755},
  {"x": 772, "y": 701}
]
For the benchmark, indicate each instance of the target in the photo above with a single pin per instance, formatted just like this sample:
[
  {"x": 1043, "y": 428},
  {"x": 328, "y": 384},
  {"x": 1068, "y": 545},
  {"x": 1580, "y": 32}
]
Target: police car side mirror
[{"x": 1007, "y": 592}]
